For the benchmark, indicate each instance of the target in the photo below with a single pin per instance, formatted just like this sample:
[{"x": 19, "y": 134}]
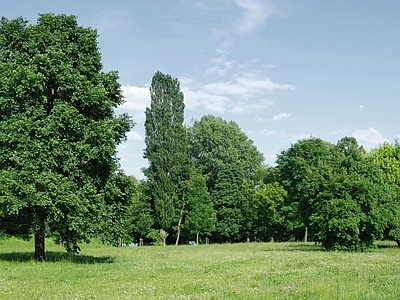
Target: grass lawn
[{"x": 238, "y": 271}]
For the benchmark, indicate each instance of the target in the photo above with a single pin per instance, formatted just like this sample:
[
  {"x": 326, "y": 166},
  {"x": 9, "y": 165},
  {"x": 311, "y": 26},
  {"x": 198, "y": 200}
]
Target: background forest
[{"x": 209, "y": 181}]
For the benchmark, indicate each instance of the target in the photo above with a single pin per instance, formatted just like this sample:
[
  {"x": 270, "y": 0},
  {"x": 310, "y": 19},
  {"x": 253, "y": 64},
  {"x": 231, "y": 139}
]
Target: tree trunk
[
  {"x": 305, "y": 235},
  {"x": 197, "y": 238},
  {"x": 180, "y": 220},
  {"x": 39, "y": 242},
  {"x": 398, "y": 243}
]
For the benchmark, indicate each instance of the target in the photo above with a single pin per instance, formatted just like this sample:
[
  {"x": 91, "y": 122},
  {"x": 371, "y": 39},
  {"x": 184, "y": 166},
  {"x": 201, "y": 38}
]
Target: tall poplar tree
[
  {"x": 58, "y": 133},
  {"x": 166, "y": 148}
]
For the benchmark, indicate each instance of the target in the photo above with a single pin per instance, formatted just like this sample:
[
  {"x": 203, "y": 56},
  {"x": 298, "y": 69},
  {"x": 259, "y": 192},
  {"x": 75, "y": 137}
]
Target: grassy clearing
[{"x": 238, "y": 271}]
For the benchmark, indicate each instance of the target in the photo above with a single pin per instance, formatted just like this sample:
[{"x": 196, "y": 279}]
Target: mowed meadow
[{"x": 227, "y": 271}]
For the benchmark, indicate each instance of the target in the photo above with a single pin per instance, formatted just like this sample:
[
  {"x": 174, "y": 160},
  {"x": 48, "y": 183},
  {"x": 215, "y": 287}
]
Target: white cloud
[
  {"x": 246, "y": 85},
  {"x": 220, "y": 64},
  {"x": 195, "y": 99},
  {"x": 369, "y": 138},
  {"x": 136, "y": 98},
  {"x": 134, "y": 136},
  {"x": 255, "y": 12},
  {"x": 268, "y": 132},
  {"x": 243, "y": 94},
  {"x": 284, "y": 136},
  {"x": 269, "y": 66},
  {"x": 280, "y": 116},
  {"x": 360, "y": 108}
]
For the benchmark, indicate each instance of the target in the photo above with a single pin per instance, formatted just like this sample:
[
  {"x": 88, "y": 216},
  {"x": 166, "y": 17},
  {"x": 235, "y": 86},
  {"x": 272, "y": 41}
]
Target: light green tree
[{"x": 387, "y": 158}]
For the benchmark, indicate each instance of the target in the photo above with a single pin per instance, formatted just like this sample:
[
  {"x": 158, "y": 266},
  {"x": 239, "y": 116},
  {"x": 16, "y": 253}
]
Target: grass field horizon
[{"x": 227, "y": 271}]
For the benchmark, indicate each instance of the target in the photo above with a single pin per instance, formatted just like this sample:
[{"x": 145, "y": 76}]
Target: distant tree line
[{"x": 208, "y": 181}]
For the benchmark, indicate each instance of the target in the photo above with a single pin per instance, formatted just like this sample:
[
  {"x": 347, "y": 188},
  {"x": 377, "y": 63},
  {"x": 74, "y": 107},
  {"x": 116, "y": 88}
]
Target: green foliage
[
  {"x": 58, "y": 132},
  {"x": 166, "y": 147},
  {"x": 157, "y": 236},
  {"x": 387, "y": 159},
  {"x": 268, "y": 202},
  {"x": 216, "y": 144},
  {"x": 201, "y": 216},
  {"x": 228, "y": 198},
  {"x": 341, "y": 195},
  {"x": 141, "y": 219}
]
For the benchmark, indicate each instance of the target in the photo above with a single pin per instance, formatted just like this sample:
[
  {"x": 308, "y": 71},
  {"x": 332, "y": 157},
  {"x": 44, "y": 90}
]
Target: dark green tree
[
  {"x": 294, "y": 166},
  {"x": 216, "y": 144},
  {"x": 230, "y": 205},
  {"x": 58, "y": 132},
  {"x": 341, "y": 196},
  {"x": 166, "y": 149},
  {"x": 267, "y": 202},
  {"x": 272, "y": 219}
]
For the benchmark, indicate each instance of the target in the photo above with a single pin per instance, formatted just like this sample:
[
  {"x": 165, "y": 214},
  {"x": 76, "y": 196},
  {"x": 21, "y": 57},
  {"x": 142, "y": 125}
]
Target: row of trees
[
  {"x": 209, "y": 180},
  {"x": 60, "y": 177}
]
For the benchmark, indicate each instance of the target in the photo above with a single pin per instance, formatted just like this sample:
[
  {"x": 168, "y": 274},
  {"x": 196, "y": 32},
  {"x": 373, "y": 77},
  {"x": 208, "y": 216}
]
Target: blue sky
[{"x": 283, "y": 70}]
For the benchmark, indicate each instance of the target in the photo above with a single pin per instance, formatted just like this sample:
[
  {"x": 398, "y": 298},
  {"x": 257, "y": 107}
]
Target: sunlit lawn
[{"x": 237, "y": 271}]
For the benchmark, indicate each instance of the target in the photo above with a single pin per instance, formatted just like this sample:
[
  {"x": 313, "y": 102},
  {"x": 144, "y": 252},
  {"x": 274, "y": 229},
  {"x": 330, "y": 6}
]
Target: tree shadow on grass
[
  {"x": 306, "y": 247},
  {"x": 58, "y": 256},
  {"x": 386, "y": 246}
]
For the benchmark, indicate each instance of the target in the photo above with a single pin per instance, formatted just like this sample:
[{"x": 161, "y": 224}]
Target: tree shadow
[
  {"x": 386, "y": 246},
  {"x": 56, "y": 257},
  {"x": 306, "y": 247}
]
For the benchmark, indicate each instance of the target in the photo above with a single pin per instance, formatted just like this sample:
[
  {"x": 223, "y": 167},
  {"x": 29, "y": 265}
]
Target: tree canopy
[
  {"x": 58, "y": 133},
  {"x": 216, "y": 144}
]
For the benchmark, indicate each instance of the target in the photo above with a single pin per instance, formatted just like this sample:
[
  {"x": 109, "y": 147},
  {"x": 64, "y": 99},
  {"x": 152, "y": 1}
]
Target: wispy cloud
[
  {"x": 134, "y": 136},
  {"x": 280, "y": 116},
  {"x": 246, "y": 85},
  {"x": 268, "y": 132},
  {"x": 221, "y": 64},
  {"x": 244, "y": 93},
  {"x": 198, "y": 98},
  {"x": 255, "y": 12},
  {"x": 110, "y": 19},
  {"x": 369, "y": 138},
  {"x": 285, "y": 137}
]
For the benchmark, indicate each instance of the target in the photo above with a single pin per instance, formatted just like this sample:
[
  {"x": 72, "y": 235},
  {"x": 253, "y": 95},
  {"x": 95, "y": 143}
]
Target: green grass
[{"x": 238, "y": 271}]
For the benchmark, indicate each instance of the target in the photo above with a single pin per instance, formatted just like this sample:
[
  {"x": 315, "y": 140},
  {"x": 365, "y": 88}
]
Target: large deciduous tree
[
  {"x": 295, "y": 166},
  {"x": 58, "y": 132},
  {"x": 216, "y": 144},
  {"x": 166, "y": 148},
  {"x": 342, "y": 197}
]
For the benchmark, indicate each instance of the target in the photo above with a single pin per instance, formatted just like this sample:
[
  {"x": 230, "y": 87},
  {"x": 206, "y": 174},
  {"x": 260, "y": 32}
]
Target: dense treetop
[{"x": 58, "y": 131}]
